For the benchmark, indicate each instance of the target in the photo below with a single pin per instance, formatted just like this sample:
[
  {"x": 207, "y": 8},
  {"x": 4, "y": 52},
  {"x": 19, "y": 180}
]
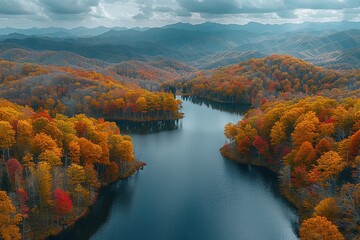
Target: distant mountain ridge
[
  {"x": 57, "y": 58},
  {"x": 206, "y": 26},
  {"x": 207, "y": 45},
  {"x": 63, "y": 32}
]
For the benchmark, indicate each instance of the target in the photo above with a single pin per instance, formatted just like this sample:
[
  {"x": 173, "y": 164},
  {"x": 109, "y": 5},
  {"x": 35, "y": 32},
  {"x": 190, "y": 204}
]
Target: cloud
[
  {"x": 145, "y": 9},
  {"x": 131, "y": 13},
  {"x": 163, "y": 9},
  {"x": 209, "y": 6},
  {"x": 68, "y": 7},
  {"x": 283, "y": 7},
  {"x": 351, "y": 14},
  {"x": 322, "y": 4},
  {"x": 100, "y": 12},
  {"x": 287, "y": 14},
  {"x": 17, "y": 7},
  {"x": 181, "y": 12}
]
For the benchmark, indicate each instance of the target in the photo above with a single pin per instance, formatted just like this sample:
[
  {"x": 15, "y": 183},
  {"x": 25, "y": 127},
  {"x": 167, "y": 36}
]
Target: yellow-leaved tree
[
  {"x": 319, "y": 228},
  {"x": 9, "y": 219}
]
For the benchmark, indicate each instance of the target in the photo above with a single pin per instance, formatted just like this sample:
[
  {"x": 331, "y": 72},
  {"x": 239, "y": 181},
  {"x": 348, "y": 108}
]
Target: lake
[{"x": 189, "y": 191}]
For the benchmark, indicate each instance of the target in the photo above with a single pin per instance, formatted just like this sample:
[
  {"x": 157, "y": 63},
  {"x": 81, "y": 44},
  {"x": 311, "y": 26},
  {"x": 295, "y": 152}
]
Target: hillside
[
  {"x": 74, "y": 91},
  {"x": 226, "y": 58},
  {"x": 150, "y": 75},
  {"x": 54, "y": 167},
  {"x": 313, "y": 143},
  {"x": 259, "y": 80},
  {"x": 56, "y": 58},
  {"x": 204, "y": 45},
  {"x": 348, "y": 59},
  {"x": 312, "y": 47}
]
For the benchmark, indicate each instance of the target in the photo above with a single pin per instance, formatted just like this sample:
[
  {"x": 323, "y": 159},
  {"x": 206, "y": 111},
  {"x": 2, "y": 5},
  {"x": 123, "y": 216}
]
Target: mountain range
[{"x": 204, "y": 46}]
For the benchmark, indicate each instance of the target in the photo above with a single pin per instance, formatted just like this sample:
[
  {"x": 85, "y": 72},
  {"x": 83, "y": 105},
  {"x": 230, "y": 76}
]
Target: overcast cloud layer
[{"x": 150, "y": 13}]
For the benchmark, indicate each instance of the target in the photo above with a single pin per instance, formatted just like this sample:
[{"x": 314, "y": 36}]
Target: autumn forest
[{"x": 73, "y": 101}]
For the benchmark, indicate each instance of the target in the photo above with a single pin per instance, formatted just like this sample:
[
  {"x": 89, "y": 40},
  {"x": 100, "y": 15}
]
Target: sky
[{"x": 154, "y": 13}]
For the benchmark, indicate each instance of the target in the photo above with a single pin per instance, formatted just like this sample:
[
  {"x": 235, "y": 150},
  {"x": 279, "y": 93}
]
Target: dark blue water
[{"x": 188, "y": 191}]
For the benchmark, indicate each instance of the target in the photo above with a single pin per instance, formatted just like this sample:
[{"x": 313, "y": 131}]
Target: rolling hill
[
  {"x": 274, "y": 77},
  {"x": 205, "y": 45}
]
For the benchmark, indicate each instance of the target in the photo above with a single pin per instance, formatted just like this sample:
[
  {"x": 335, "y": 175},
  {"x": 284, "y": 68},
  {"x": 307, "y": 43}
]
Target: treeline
[
  {"x": 156, "y": 71},
  {"x": 52, "y": 167},
  {"x": 154, "y": 75},
  {"x": 260, "y": 80},
  {"x": 314, "y": 144},
  {"x": 70, "y": 91}
]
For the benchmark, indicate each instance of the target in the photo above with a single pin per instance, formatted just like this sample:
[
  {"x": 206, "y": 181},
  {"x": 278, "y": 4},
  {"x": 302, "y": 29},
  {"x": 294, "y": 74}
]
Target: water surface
[{"x": 188, "y": 191}]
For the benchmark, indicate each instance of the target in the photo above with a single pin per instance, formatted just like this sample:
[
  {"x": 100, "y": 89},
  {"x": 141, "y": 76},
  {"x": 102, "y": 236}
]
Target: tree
[
  {"x": 262, "y": 146},
  {"x": 328, "y": 165},
  {"x": 343, "y": 122},
  {"x": 24, "y": 132},
  {"x": 298, "y": 176},
  {"x": 323, "y": 146},
  {"x": 22, "y": 198},
  {"x": 305, "y": 131},
  {"x": 76, "y": 174},
  {"x": 51, "y": 157},
  {"x": 81, "y": 196},
  {"x": 327, "y": 129},
  {"x": 90, "y": 152},
  {"x": 126, "y": 155},
  {"x": 319, "y": 228},
  {"x": 246, "y": 131},
  {"x": 15, "y": 170},
  {"x": 42, "y": 142},
  {"x": 349, "y": 205},
  {"x": 9, "y": 219},
  {"x": 81, "y": 129},
  {"x": 92, "y": 181},
  {"x": 27, "y": 160},
  {"x": 63, "y": 203},
  {"x": 41, "y": 120},
  {"x": 91, "y": 177},
  {"x": 126, "y": 151},
  {"x": 344, "y": 148},
  {"x": 305, "y": 155},
  {"x": 113, "y": 172},
  {"x": 7, "y": 137},
  {"x": 277, "y": 134},
  {"x": 141, "y": 104},
  {"x": 44, "y": 183},
  {"x": 74, "y": 152},
  {"x": 244, "y": 145},
  {"x": 327, "y": 208},
  {"x": 230, "y": 131},
  {"x": 354, "y": 148}
]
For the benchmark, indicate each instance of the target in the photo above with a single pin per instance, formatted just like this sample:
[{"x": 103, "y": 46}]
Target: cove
[{"x": 189, "y": 191}]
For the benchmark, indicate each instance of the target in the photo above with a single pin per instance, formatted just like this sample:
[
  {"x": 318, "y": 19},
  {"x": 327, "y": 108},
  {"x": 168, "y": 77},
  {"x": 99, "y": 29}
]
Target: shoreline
[
  {"x": 215, "y": 100},
  {"x": 58, "y": 231},
  {"x": 143, "y": 120},
  {"x": 226, "y": 153},
  {"x": 251, "y": 160}
]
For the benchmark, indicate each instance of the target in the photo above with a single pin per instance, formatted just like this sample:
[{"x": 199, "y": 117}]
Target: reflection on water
[
  {"x": 226, "y": 107},
  {"x": 269, "y": 180},
  {"x": 128, "y": 127},
  {"x": 188, "y": 191}
]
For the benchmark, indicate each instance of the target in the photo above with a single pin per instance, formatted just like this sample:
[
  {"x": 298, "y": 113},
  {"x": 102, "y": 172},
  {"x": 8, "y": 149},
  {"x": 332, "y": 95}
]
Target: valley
[{"x": 124, "y": 129}]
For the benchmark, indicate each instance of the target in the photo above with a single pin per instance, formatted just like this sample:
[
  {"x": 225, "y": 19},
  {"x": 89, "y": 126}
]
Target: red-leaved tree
[{"x": 63, "y": 203}]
